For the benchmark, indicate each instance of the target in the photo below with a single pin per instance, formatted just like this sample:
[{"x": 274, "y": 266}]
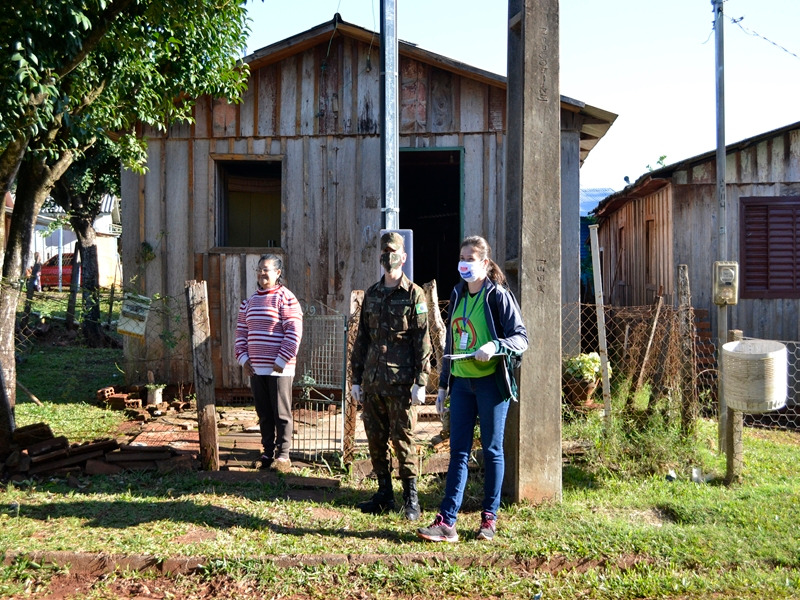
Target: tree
[
  {"x": 80, "y": 193},
  {"x": 77, "y": 71}
]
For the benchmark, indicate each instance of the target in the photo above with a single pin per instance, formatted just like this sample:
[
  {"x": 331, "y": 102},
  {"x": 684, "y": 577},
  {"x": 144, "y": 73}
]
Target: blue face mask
[{"x": 471, "y": 271}]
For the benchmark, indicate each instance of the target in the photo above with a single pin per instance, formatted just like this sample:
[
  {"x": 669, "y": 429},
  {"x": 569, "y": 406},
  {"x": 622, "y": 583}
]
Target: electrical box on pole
[{"x": 725, "y": 283}]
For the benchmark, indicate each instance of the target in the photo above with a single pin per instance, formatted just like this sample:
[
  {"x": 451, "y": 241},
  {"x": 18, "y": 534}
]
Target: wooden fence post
[
  {"x": 646, "y": 358},
  {"x": 688, "y": 359},
  {"x": 200, "y": 330},
  {"x": 734, "y": 448}
]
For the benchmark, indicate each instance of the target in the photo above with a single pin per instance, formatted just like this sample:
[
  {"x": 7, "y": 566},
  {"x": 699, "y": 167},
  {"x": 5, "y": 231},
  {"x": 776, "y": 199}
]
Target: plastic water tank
[{"x": 755, "y": 375}]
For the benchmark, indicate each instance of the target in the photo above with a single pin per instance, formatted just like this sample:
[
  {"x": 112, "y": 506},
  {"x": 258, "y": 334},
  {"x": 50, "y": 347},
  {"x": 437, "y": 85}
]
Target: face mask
[
  {"x": 471, "y": 271},
  {"x": 391, "y": 260}
]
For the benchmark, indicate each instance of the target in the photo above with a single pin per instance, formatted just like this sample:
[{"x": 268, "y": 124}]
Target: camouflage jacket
[{"x": 392, "y": 347}]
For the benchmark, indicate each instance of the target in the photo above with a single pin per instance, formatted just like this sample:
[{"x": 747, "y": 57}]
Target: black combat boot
[
  {"x": 382, "y": 500},
  {"x": 410, "y": 501}
]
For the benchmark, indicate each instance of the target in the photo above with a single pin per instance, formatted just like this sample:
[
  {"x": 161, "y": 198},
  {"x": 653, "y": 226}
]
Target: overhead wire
[{"x": 738, "y": 23}]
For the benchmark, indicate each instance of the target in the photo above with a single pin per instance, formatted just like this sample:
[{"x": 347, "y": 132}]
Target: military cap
[{"x": 393, "y": 240}]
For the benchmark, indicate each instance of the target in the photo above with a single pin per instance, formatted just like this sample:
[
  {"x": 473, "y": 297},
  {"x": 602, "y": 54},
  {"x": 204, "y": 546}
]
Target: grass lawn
[
  {"x": 621, "y": 531},
  {"x": 610, "y": 537}
]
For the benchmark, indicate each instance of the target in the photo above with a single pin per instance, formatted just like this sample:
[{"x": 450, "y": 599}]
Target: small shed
[
  {"x": 295, "y": 169},
  {"x": 669, "y": 217}
]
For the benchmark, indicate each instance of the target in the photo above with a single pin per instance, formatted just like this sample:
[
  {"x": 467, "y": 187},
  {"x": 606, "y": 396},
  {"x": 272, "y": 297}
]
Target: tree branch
[{"x": 95, "y": 35}]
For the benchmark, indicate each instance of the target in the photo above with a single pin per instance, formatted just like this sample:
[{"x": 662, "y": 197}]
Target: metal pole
[
  {"x": 722, "y": 239},
  {"x": 60, "y": 254},
  {"x": 721, "y": 191},
  {"x": 390, "y": 120},
  {"x": 601, "y": 321}
]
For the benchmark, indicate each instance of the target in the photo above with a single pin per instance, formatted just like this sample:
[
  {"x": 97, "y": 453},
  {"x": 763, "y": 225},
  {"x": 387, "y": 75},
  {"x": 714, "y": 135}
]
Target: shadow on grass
[
  {"x": 148, "y": 505},
  {"x": 578, "y": 479}
]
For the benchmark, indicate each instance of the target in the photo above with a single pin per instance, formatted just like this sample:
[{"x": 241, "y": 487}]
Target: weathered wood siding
[
  {"x": 637, "y": 257},
  {"x": 317, "y": 112},
  {"x": 769, "y": 168}
]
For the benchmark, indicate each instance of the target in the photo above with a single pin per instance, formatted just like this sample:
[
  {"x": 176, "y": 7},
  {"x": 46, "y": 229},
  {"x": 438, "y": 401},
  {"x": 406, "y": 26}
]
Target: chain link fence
[
  {"x": 787, "y": 417},
  {"x": 652, "y": 347},
  {"x": 660, "y": 349}
]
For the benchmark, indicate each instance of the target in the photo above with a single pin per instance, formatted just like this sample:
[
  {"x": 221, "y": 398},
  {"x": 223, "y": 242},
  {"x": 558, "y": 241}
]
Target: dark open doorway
[{"x": 430, "y": 205}]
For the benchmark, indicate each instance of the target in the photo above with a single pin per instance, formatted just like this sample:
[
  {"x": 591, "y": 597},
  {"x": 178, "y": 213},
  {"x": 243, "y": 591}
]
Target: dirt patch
[
  {"x": 653, "y": 517},
  {"x": 77, "y": 587},
  {"x": 319, "y": 513},
  {"x": 195, "y": 535},
  {"x": 195, "y": 586}
]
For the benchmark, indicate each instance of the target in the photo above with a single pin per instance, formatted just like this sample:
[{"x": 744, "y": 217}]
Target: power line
[{"x": 738, "y": 23}]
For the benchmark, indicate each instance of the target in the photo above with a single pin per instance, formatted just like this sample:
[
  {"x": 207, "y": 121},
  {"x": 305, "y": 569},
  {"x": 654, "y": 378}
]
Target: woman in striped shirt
[{"x": 268, "y": 332}]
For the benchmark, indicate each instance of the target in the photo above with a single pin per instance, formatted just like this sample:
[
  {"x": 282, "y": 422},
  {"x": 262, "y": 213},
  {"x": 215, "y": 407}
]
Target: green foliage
[
  {"x": 659, "y": 164},
  {"x": 24, "y": 576},
  {"x": 641, "y": 438},
  {"x": 583, "y": 366},
  {"x": 94, "y": 68}
]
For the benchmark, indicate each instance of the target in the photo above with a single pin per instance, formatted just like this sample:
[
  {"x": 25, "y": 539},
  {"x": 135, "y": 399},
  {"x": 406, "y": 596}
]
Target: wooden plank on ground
[
  {"x": 46, "y": 446},
  {"x": 104, "y": 445},
  {"x": 65, "y": 462},
  {"x": 140, "y": 448},
  {"x": 117, "y": 457}
]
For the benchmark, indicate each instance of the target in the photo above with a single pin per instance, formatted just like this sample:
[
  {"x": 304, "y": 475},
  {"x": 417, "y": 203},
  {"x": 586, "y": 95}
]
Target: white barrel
[{"x": 755, "y": 375}]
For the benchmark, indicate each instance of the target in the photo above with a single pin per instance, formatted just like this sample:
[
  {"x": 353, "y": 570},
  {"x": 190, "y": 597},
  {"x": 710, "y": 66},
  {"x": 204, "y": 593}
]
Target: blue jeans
[{"x": 471, "y": 398}]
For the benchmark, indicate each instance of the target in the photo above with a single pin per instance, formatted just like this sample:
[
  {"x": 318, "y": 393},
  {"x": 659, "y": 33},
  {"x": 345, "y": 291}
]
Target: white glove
[
  {"x": 356, "y": 394},
  {"x": 485, "y": 352},
  {"x": 417, "y": 394},
  {"x": 440, "y": 398}
]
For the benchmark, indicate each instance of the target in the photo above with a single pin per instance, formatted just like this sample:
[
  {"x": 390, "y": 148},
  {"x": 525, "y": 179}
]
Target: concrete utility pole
[
  {"x": 722, "y": 240},
  {"x": 390, "y": 119},
  {"x": 533, "y": 246}
]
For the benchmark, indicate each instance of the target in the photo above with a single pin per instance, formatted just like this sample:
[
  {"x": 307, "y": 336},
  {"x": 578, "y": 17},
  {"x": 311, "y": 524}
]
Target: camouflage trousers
[{"x": 391, "y": 418}]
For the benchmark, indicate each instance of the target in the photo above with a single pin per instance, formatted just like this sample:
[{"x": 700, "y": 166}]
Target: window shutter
[{"x": 770, "y": 233}]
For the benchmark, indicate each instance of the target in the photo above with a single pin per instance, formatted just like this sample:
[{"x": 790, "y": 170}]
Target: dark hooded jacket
[{"x": 506, "y": 328}]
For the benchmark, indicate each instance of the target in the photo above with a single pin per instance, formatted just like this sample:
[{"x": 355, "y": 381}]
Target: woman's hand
[
  {"x": 248, "y": 369},
  {"x": 485, "y": 352}
]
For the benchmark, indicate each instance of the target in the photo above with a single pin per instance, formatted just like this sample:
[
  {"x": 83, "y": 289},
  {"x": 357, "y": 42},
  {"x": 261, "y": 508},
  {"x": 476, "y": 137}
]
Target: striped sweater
[{"x": 268, "y": 331}]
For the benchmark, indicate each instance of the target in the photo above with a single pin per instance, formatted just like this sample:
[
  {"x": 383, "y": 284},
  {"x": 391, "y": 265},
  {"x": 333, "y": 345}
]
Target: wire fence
[
  {"x": 787, "y": 417},
  {"x": 666, "y": 351}
]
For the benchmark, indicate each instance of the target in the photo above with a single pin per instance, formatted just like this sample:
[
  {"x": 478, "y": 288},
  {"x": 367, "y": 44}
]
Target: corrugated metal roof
[
  {"x": 654, "y": 180},
  {"x": 107, "y": 206}
]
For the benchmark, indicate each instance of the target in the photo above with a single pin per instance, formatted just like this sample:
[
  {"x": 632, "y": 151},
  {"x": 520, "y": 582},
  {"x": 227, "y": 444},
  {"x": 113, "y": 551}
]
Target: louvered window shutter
[{"x": 770, "y": 247}]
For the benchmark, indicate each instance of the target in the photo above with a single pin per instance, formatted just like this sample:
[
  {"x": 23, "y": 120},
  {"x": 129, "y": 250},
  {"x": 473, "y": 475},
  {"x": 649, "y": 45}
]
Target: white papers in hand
[{"x": 459, "y": 356}]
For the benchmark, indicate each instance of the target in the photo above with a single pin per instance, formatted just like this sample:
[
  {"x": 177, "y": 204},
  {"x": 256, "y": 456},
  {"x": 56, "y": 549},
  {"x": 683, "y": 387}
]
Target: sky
[{"x": 651, "y": 63}]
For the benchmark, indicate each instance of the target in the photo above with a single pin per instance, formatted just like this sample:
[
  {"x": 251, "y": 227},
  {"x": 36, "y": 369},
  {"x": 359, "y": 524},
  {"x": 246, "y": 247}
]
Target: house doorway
[{"x": 430, "y": 201}]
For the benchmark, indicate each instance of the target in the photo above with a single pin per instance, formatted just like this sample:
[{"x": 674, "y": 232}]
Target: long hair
[
  {"x": 276, "y": 263},
  {"x": 494, "y": 272}
]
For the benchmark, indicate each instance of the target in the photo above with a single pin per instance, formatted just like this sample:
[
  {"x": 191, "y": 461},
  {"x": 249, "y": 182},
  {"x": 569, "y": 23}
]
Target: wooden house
[
  {"x": 670, "y": 217},
  {"x": 295, "y": 169}
]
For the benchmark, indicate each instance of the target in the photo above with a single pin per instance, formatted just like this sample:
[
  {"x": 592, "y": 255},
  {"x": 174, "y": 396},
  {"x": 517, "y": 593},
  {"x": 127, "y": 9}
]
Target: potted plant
[
  {"x": 155, "y": 393},
  {"x": 580, "y": 375}
]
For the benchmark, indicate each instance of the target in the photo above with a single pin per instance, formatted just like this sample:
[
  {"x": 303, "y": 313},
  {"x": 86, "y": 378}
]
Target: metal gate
[{"x": 320, "y": 376}]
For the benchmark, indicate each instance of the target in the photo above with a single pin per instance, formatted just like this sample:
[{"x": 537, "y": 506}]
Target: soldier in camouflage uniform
[{"x": 390, "y": 365}]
